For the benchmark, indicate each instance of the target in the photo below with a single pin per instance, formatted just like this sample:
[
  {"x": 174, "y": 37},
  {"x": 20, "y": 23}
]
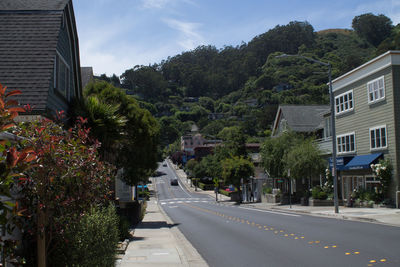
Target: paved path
[{"x": 157, "y": 242}]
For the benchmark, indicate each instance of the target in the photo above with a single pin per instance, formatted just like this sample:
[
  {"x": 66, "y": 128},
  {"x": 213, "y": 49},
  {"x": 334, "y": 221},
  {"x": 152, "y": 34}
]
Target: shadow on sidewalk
[{"x": 155, "y": 225}]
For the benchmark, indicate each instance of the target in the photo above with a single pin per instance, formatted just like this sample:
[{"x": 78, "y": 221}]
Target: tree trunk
[{"x": 41, "y": 238}]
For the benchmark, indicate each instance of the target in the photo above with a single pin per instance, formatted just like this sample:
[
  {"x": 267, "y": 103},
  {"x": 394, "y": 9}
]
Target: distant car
[
  {"x": 174, "y": 182},
  {"x": 164, "y": 164}
]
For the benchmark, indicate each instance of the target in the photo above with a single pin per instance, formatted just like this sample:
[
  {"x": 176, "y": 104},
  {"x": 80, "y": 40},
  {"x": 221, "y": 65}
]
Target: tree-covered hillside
[{"x": 243, "y": 85}]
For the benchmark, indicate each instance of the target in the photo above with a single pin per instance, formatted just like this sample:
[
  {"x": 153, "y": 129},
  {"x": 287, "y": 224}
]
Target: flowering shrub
[
  {"x": 66, "y": 180},
  {"x": 14, "y": 160},
  {"x": 383, "y": 171}
]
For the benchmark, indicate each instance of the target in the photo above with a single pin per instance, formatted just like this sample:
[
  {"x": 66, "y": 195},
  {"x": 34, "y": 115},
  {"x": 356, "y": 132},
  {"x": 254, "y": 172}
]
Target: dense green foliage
[
  {"x": 90, "y": 241},
  {"x": 129, "y": 134},
  {"x": 243, "y": 85}
]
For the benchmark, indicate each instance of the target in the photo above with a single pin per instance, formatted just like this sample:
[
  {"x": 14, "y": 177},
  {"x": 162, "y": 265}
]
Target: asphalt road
[{"x": 231, "y": 235}]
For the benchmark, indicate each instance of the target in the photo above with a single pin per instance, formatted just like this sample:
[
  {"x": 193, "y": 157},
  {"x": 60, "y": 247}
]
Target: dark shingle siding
[
  {"x": 27, "y": 49},
  {"x": 33, "y": 4}
]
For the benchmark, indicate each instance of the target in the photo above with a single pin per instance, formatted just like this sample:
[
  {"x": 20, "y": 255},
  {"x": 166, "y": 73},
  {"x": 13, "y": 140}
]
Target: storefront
[{"x": 357, "y": 174}]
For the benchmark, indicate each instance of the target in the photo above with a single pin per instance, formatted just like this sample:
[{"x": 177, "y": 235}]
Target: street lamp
[{"x": 335, "y": 187}]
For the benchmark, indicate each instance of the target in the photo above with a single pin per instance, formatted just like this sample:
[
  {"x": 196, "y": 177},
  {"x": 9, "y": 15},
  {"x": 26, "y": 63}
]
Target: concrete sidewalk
[{"x": 158, "y": 242}]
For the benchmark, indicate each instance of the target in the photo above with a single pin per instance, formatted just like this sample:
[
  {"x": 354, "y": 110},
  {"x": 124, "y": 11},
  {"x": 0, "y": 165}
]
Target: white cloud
[
  {"x": 155, "y": 3},
  {"x": 189, "y": 37}
]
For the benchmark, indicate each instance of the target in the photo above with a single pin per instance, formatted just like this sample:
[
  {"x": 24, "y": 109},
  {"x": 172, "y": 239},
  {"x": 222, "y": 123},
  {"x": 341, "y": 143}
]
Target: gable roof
[
  {"x": 29, "y": 32},
  {"x": 301, "y": 118},
  {"x": 29, "y": 5},
  {"x": 27, "y": 51}
]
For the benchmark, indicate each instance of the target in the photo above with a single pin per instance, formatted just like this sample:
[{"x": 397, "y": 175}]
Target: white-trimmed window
[
  {"x": 344, "y": 102},
  {"x": 61, "y": 75},
  {"x": 378, "y": 137},
  {"x": 376, "y": 90},
  {"x": 346, "y": 143}
]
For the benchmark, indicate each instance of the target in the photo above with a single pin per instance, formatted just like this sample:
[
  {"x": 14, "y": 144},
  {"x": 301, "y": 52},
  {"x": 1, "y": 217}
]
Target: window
[
  {"x": 327, "y": 129},
  {"x": 378, "y": 137},
  {"x": 376, "y": 90},
  {"x": 61, "y": 75},
  {"x": 346, "y": 143},
  {"x": 344, "y": 102}
]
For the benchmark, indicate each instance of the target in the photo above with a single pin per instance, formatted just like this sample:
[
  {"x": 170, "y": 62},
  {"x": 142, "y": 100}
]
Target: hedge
[{"x": 204, "y": 186}]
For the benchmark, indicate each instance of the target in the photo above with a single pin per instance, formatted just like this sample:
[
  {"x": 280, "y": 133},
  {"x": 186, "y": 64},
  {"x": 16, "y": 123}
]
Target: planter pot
[{"x": 271, "y": 198}]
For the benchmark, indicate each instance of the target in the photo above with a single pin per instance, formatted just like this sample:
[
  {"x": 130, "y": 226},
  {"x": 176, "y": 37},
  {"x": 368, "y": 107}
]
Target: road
[{"x": 233, "y": 235}]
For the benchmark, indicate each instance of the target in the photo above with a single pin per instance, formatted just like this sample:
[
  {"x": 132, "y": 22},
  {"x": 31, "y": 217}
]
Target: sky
[{"x": 116, "y": 35}]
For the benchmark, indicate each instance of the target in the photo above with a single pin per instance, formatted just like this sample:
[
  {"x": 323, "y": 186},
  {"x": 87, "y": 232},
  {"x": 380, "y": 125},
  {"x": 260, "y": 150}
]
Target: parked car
[
  {"x": 174, "y": 181},
  {"x": 164, "y": 164}
]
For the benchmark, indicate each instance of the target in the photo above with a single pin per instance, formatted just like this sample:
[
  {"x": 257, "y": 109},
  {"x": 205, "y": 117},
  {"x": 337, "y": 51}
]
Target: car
[
  {"x": 174, "y": 181},
  {"x": 164, "y": 164}
]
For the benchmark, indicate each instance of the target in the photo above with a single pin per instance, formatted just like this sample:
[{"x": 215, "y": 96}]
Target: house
[
  {"x": 189, "y": 142},
  {"x": 39, "y": 54},
  {"x": 367, "y": 116},
  {"x": 87, "y": 76},
  {"x": 306, "y": 119}
]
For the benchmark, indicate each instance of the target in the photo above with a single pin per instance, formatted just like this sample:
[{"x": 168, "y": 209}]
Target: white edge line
[{"x": 267, "y": 211}]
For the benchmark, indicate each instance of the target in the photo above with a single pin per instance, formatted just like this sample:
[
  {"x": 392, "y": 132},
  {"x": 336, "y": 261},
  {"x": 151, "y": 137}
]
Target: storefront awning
[
  {"x": 362, "y": 162},
  {"x": 340, "y": 163}
]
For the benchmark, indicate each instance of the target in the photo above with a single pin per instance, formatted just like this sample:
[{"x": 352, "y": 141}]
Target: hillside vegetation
[{"x": 243, "y": 85}]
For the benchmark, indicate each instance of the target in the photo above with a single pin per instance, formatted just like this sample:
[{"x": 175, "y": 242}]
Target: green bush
[
  {"x": 90, "y": 242},
  {"x": 124, "y": 226},
  {"x": 225, "y": 193},
  {"x": 317, "y": 193},
  {"x": 204, "y": 186},
  {"x": 267, "y": 190}
]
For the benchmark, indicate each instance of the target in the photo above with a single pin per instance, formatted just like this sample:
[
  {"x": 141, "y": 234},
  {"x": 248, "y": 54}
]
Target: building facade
[
  {"x": 367, "y": 113},
  {"x": 39, "y": 54}
]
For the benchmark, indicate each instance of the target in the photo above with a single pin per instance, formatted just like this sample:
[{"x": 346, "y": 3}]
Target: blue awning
[
  {"x": 340, "y": 162},
  {"x": 362, "y": 162}
]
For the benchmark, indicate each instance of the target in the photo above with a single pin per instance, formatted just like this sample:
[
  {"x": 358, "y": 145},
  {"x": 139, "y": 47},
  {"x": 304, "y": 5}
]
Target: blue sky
[{"x": 115, "y": 35}]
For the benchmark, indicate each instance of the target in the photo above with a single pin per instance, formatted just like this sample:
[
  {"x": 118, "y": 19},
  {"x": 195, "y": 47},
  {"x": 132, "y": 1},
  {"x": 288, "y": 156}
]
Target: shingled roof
[
  {"x": 301, "y": 118},
  {"x": 48, "y": 5},
  {"x": 28, "y": 45}
]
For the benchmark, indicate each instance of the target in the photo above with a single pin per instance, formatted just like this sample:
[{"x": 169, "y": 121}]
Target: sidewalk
[
  {"x": 158, "y": 242},
  {"x": 375, "y": 215}
]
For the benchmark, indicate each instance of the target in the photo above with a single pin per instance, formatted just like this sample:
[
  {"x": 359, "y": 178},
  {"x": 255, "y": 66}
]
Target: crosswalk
[{"x": 185, "y": 200}]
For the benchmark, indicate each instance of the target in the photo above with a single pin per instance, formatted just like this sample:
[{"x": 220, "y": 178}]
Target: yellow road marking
[
  {"x": 383, "y": 260},
  {"x": 334, "y": 246},
  {"x": 302, "y": 237},
  {"x": 317, "y": 242},
  {"x": 286, "y": 235},
  {"x": 281, "y": 231},
  {"x": 372, "y": 261},
  {"x": 347, "y": 253},
  {"x": 296, "y": 238},
  {"x": 311, "y": 242},
  {"x": 326, "y": 247},
  {"x": 356, "y": 252}
]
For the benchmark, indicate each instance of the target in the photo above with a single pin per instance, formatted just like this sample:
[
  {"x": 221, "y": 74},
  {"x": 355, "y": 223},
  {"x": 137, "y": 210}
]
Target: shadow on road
[{"x": 156, "y": 225}]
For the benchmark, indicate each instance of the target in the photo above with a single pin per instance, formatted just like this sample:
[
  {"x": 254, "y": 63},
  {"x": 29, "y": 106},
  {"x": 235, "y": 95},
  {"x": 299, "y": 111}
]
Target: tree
[
  {"x": 373, "y": 28},
  {"x": 236, "y": 168},
  {"x": 234, "y": 140},
  {"x": 137, "y": 149},
  {"x": 274, "y": 150},
  {"x": 304, "y": 161}
]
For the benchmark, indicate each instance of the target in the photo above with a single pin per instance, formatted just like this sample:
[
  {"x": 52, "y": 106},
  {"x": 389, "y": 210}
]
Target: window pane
[
  {"x": 352, "y": 143},
  {"x": 371, "y": 97},
  {"x": 343, "y": 144},
  {"x": 339, "y": 144},
  {"x": 372, "y": 132},
  {"x": 378, "y": 137},
  {"x": 347, "y": 143},
  {"x": 383, "y": 136}
]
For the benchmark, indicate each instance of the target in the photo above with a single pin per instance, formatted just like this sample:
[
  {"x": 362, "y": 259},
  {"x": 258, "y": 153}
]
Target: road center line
[{"x": 267, "y": 211}]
